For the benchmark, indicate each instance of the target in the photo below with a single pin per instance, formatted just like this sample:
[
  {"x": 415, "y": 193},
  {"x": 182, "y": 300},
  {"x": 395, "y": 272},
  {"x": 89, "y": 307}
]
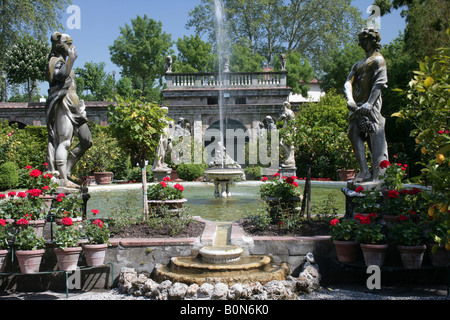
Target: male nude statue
[
  {"x": 363, "y": 88},
  {"x": 65, "y": 113}
]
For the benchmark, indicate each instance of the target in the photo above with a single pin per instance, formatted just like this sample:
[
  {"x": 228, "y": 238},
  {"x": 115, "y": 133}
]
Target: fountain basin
[
  {"x": 223, "y": 174},
  {"x": 248, "y": 269},
  {"x": 221, "y": 254}
]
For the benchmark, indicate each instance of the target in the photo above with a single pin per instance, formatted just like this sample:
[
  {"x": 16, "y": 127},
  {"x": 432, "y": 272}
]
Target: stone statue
[
  {"x": 269, "y": 123},
  {"x": 164, "y": 147},
  {"x": 169, "y": 64},
  {"x": 66, "y": 115},
  {"x": 363, "y": 89},
  {"x": 283, "y": 60},
  {"x": 181, "y": 128},
  {"x": 226, "y": 63},
  {"x": 288, "y": 147}
]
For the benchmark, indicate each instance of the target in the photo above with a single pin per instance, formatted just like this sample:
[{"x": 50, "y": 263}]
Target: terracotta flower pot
[
  {"x": 68, "y": 258},
  {"x": 103, "y": 178},
  {"x": 346, "y": 174},
  {"x": 440, "y": 258},
  {"x": 346, "y": 251},
  {"x": 29, "y": 260},
  {"x": 3, "y": 256},
  {"x": 95, "y": 254},
  {"x": 38, "y": 226},
  {"x": 374, "y": 254},
  {"x": 412, "y": 256}
]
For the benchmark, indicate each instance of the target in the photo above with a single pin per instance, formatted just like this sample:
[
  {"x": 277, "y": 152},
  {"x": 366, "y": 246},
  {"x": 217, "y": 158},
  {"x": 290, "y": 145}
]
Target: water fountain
[{"x": 222, "y": 262}]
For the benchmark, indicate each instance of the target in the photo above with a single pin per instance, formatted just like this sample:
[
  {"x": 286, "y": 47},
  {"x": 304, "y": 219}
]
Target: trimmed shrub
[
  {"x": 8, "y": 176},
  {"x": 190, "y": 172}
]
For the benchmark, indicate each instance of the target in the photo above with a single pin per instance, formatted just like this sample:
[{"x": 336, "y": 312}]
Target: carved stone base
[
  {"x": 288, "y": 171},
  {"x": 160, "y": 174},
  {"x": 373, "y": 186}
]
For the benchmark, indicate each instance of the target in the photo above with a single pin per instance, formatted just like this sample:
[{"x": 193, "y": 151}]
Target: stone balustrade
[{"x": 227, "y": 80}]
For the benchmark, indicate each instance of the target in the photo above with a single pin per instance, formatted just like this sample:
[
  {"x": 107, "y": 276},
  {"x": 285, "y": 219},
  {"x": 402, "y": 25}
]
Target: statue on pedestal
[
  {"x": 363, "y": 89},
  {"x": 160, "y": 168},
  {"x": 287, "y": 145},
  {"x": 66, "y": 115}
]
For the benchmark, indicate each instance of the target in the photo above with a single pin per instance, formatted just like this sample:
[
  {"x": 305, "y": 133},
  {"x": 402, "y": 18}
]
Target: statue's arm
[
  {"x": 380, "y": 80},
  {"x": 62, "y": 71},
  {"x": 348, "y": 90}
]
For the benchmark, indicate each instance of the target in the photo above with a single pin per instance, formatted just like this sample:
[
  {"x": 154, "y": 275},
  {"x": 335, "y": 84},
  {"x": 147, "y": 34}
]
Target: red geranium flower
[
  {"x": 276, "y": 174},
  {"x": 384, "y": 164},
  {"x": 28, "y": 167},
  {"x": 12, "y": 194},
  {"x": 359, "y": 189},
  {"x": 163, "y": 184},
  {"x": 179, "y": 187},
  {"x": 35, "y": 173},
  {"x": 393, "y": 194},
  {"x": 98, "y": 223},
  {"x": 295, "y": 184},
  {"x": 2, "y": 195},
  {"x": 34, "y": 192},
  {"x": 2, "y": 222},
  {"x": 22, "y": 195},
  {"x": 264, "y": 179},
  {"x": 166, "y": 179},
  {"x": 334, "y": 222},
  {"x": 22, "y": 222},
  {"x": 95, "y": 211},
  {"x": 66, "y": 221},
  {"x": 290, "y": 180},
  {"x": 402, "y": 218}
]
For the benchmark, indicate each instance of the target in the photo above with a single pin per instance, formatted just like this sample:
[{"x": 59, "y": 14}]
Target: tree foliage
[
  {"x": 140, "y": 51},
  {"x": 194, "y": 55},
  {"x": 137, "y": 126},
  {"x": 26, "y": 62},
  {"x": 32, "y": 17},
  {"x": 311, "y": 27},
  {"x": 93, "y": 82}
]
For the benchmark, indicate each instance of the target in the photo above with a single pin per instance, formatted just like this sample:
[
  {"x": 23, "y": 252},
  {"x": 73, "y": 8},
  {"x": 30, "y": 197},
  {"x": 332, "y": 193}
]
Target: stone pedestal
[
  {"x": 160, "y": 174},
  {"x": 288, "y": 171},
  {"x": 350, "y": 193}
]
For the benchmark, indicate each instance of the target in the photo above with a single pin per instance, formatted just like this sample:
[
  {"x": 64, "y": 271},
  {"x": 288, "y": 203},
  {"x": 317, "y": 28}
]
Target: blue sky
[{"x": 101, "y": 21}]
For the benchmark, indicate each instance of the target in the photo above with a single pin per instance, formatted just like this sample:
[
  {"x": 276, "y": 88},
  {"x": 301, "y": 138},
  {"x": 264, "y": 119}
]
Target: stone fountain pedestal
[{"x": 223, "y": 178}]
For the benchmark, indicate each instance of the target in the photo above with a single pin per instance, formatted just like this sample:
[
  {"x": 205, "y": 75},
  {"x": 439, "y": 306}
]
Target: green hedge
[
  {"x": 190, "y": 172},
  {"x": 9, "y": 177}
]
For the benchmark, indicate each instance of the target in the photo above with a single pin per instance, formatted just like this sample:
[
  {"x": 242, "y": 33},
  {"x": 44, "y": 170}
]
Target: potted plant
[
  {"x": 393, "y": 176},
  {"x": 345, "y": 158},
  {"x": 97, "y": 234},
  {"x": 281, "y": 195},
  {"x": 408, "y": 235},
  {"x": 394, "y": 206},
  {"x": 26, "y": 205},
  {"x": 67, "y": 250},
  {"x": 343, "y": 232},
  {"x": 36, "y": 179},
  {"x": 100, "y": 158},
  {"x": 367, "y": 203},
  {"x": 439, "y": 235},
  {"x": 29, "y": 248},
  {"x": 164, "y": 196},
  {"x": 5, "y": 236},
  {"x": 67, "y": 207},
  {"x": 372, "y": 241}
]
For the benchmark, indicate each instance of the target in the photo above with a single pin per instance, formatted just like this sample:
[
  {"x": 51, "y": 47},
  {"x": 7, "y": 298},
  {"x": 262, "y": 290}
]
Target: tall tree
[
  {"x": 34, "y": 17},
  {"x": 94, "y": 80},
  {"x": 140, "y": 51},
  {"x": 311, "y": 27},
  {"x": 26, "y": 62},
  {"x": 194, "y": 55}
]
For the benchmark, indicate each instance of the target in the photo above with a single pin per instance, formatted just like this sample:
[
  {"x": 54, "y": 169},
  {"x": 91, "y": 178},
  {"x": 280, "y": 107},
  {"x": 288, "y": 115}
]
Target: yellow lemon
[
  {"x": 447, "y": 247},
  {"x": 428, "y": 82},
  {"x": 443, "y": 208},
  {"x": 440, "y": 158},
  {"x": 417, "y": 141},
  {"x": 423, "y": 150},
  {"x": 431, "y": 211}
]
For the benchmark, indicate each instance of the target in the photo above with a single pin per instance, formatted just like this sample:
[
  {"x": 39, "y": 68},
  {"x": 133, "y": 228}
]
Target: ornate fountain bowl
[
  {"x": 220, "y": 254},
  {"x": 223, "y": 174}
]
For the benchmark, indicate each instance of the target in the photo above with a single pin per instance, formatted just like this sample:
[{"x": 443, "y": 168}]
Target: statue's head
[
  {"x": 287, "y": 105},
  {"x": 61, "y": 42},
  {"x": 371, "y": 36}
]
